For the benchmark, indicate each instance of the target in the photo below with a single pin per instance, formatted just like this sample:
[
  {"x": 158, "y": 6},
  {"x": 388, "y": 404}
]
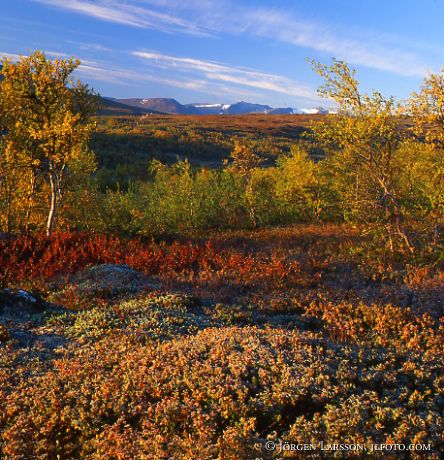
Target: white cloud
[
  {"x": 368, "y": 48},
  {"x": 360, "y": 47},
  {"x": 108, "y": 74},
  {"x": 128, "y": 77},
  {"x": 51, "y": 54},
  {"x": 127, "y": 13},
  {"x": 100, "y": 11},
  {"x": 229, "y": 74},
  {"x": 371, "y": 53},
  {"x": 135, "y": 78},
  {"x": 93, "y": 47},
  {"x": 11, "y": 56},
  {"x": 56, "y": 54}
]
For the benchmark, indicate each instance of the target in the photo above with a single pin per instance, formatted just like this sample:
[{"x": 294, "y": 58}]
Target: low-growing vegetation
[{"x": 235, "y": 345}]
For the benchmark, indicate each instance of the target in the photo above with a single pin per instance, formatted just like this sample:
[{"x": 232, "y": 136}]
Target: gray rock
[
  {"x": 109, "y": 281},
  {"x": 20, "y": 305}
]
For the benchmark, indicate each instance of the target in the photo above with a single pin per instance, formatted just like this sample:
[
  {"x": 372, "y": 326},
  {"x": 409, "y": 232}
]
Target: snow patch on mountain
[
  {"x": 209, "y": 106},
  {"x": 168, "y": 105}
]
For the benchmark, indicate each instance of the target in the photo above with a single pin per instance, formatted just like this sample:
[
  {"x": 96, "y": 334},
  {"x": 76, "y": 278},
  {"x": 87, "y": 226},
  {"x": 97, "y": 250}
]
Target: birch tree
[
  {"x": 366, "y": 135},
  {"x": 46, "y": 120}
]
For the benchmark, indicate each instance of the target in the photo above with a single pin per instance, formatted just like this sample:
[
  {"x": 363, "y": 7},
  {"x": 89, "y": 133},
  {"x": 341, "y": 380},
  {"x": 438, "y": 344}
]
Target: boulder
[
  {"x": 20, "y": 305},
  {"x": 109, "y": 281}
]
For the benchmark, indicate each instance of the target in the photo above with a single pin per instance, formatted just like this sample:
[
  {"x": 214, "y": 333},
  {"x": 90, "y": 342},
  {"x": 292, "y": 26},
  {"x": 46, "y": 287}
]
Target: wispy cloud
[
  {"x": 368, "y": 51},
  {"x": 93, "y": 47},
  {"x": 13, "y": 57},
  {"x": 109, "y": 73},
  {"x": 56, "y": 54},
  {"x": 136, "y": 78},
  {"x": 127, "y": 13},
  {"x": 369, "y": 48},
  {"x": 230, "y": 74},
  {"x": 51, "y": 54}
]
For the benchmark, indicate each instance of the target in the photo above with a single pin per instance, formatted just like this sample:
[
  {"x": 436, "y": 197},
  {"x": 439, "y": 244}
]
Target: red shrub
[{"x": 40, "y": 258}]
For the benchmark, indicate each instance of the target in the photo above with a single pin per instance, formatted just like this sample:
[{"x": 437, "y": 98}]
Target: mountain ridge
[{"x": 158, "y": 105}]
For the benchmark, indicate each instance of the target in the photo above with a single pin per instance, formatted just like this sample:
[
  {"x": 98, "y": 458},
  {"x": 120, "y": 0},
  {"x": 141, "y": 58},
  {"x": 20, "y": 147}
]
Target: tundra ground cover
[{"x": 246, "y": 336}]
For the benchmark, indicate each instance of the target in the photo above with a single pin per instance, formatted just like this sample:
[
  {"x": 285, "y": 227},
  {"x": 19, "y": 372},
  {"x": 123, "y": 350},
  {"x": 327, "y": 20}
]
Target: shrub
[{"x": 218, "y": 393}]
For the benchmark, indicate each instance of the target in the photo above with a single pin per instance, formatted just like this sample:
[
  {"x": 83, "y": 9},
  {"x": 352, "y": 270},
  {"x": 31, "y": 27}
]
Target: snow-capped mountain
[
  {"x": 246, "y": 107},
  {"x": 316, "y": 110},
  {"x": 160, "y": 104},
  {"x": 168, "y": 105},
  {"x": 210, "y": 109},
  {"x": 211, "y": 106}
]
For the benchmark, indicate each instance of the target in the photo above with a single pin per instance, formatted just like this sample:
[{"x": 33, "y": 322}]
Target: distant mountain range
[
  {"x": 137, "y": 106},
  {"x": 162, "y": 105}
]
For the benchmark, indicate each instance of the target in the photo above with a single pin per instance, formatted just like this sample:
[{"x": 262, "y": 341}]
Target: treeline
[{"x": 389, "y": 182}]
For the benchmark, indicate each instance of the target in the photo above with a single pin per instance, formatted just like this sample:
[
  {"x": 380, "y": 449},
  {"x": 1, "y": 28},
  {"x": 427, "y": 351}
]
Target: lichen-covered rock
[
  {"x": 108, "y": 281},
  {"x": 20, "y": 305}
]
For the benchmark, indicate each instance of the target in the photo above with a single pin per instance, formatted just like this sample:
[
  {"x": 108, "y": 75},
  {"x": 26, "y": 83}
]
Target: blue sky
[{"x": 230, "y": 50}]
